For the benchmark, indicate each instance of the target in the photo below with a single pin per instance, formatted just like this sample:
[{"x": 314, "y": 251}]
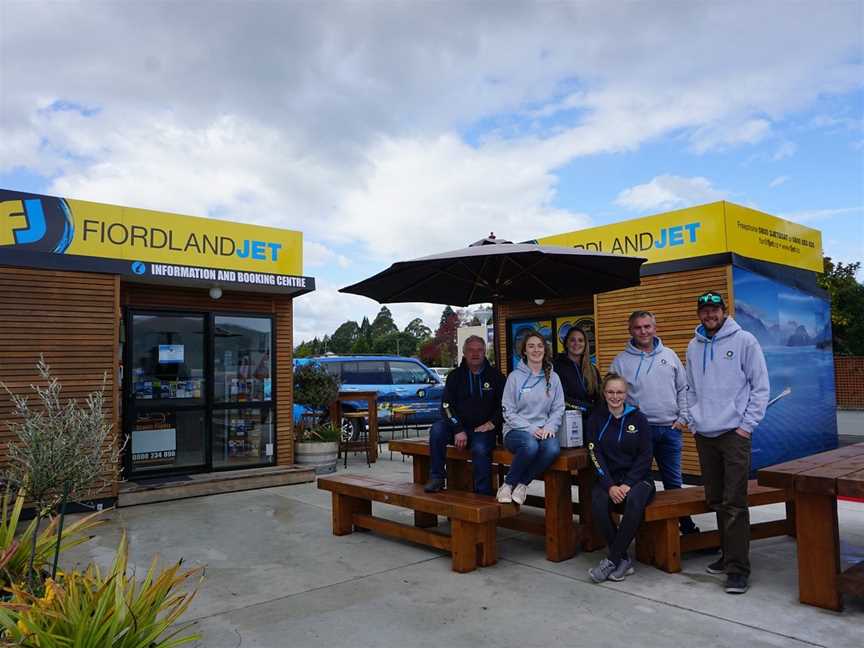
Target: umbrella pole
[{"x": 496, "y": 344}]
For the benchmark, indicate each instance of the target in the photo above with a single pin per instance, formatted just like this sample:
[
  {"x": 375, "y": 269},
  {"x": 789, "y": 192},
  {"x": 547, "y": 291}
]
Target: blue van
[{"x": 399, "y": 381}]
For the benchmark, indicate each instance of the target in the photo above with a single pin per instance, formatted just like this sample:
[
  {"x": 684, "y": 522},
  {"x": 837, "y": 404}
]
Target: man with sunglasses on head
[{"x": 727, "y": 394}]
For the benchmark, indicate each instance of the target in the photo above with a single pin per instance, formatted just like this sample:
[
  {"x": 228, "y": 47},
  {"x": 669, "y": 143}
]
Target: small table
[
  {"x": 562, "y": 536},
  {"x": 371, "y": 398},
  {"x": 816, "y": 482}
]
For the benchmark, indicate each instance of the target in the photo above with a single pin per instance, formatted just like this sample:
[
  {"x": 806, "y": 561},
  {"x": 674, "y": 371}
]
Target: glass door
[
  {"x": 242, "y": 391},
  {"x": 167, "y": 393}
]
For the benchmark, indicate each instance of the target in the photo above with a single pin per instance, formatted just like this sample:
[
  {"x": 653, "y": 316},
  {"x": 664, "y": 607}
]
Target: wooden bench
[
  {"x": 659, "y": 543},
  {"x": 556, "y": 522},
  {"x": 473, "y": 518}
]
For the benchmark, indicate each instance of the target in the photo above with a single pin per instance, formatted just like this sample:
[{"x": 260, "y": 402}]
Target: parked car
[
  {"x": 400, "y": 382},
  {"x": 442, "y": 371}
]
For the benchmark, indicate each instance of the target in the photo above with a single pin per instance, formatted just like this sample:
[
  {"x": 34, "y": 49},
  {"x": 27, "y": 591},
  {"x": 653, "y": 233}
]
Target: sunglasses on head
[{"x": 710, "y": 298}]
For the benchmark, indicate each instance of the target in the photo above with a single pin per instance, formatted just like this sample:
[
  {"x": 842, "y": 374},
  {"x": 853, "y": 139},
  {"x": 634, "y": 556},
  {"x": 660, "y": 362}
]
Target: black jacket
[
  {"x": 575, "y": 393},
  {"x": 470, "y": 400},
  {"x": 620, "y": 449}
]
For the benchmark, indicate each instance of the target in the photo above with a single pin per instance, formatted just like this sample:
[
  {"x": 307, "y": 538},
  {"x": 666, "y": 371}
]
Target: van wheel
[{"x": 352, "y": 428}]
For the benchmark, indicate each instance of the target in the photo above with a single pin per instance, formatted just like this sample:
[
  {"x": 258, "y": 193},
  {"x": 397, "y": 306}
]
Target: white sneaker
[
  {"x": 520, "y": 491},
  {"x": 505, "y": 493}
]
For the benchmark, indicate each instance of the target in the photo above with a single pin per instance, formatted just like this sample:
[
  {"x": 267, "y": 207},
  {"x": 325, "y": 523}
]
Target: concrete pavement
[{"x": 276, "y": 576}]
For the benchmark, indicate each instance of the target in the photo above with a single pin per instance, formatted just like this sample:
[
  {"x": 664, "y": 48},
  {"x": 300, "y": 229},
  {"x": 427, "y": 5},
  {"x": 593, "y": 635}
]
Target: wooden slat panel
[
  {"x": 284, "y": 396},
  {"x": 73, "y": 319}
]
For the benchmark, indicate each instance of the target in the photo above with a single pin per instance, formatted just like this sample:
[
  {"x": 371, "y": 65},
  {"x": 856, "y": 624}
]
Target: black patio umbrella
[{"x": 493, "y": 270}]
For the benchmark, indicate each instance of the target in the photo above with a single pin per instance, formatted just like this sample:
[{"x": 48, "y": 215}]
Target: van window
[
  {"x": 333, "y": 368},
  {"x": 365, "y": 372},
  {"x": 407, "y": 373}
]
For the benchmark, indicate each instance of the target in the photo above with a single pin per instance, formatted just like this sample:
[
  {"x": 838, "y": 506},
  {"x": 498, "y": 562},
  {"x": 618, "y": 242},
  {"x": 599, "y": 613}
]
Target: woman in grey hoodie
[{"x": 533, "y": 406}]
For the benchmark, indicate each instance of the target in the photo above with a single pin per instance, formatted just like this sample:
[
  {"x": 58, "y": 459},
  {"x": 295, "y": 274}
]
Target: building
[
  {"x": 189, "y": 319},
  {"x": 765, "y": 267}
]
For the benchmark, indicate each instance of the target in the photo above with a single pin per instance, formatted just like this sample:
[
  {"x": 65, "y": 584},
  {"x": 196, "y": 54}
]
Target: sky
[{"x": 385, "y": 131}]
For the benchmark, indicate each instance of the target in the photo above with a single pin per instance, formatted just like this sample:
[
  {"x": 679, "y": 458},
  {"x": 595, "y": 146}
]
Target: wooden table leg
[
  {"x": 818, "y": 550},
  {"x": 460, "y": 475},
  {"x": 560, "y": 532},
  {"x": 373, "y": 429},
  {"x": 420, "y": 474},
  {"x": 591, "y": 538}
]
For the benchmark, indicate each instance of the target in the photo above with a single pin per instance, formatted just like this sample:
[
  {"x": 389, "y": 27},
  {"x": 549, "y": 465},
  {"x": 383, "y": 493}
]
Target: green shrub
[{"x": 314, "y": 388}]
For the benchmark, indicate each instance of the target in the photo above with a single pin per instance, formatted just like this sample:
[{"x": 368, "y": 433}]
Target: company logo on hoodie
[
  {"x": 730, "y": 354},
  {"x": 631, "y": 428}
]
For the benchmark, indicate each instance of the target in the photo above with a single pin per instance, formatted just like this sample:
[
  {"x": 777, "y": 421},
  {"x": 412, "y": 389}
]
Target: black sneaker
[
  {"x": 736, "y": 584},
  {"x": 717, "y": 567},
  {"x": 434, "y": 485}
]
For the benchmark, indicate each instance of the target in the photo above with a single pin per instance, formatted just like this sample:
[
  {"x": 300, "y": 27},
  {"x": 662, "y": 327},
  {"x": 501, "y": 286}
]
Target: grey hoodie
[
  {"x": 528, "y": 405},
  {"x": 656, "y": 382},
  {"x": 727, "y": 380}
]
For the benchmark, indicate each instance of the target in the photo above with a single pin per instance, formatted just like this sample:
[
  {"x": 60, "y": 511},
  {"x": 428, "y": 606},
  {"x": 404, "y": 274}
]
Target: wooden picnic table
[
  {"x": 816, "y": 482},
  {"x": 371, "y": 398},
  {"x": 556, "y": 525}
]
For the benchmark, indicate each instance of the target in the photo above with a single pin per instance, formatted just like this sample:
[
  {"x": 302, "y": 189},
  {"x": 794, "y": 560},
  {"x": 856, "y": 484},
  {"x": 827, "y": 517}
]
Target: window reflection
[
  {"x": 168, "y": 358},
  {"x": 242, "y": 437},
  {"x": 242, "y": 362}
]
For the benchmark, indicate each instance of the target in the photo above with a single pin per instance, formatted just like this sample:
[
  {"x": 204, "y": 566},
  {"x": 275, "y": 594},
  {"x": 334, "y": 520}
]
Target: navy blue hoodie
[
  {"x": 575, "y": 393},
  {"x": 469, "y": 400},
  {"x": 621, "y": 449}
]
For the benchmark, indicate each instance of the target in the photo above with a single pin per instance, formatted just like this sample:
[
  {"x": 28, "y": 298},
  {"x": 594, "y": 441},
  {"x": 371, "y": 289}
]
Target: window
[
  {"x": 408, "y": 373},
  {"x": 242, "y": 359},
  {"x": 242, "y": 437},
  {"x": 365, "y": 372}
]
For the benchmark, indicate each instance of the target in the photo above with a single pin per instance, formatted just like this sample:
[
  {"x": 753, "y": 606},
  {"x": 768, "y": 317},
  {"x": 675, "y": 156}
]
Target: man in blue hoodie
[
  {"x": 471, "y": 417},
  {"x": 657, "y": 385},
  {"x": 727, "y": 395}
]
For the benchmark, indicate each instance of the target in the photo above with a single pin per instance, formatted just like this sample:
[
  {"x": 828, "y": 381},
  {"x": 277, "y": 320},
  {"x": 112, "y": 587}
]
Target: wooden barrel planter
[{"x": 320, "y": 455}]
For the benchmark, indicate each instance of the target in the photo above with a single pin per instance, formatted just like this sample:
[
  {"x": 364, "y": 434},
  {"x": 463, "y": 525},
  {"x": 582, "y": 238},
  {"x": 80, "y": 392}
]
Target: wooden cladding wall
[
  {"x": 72, "y": 319},
  {"x": 198, "y": 300},
  {"x": 672, "y": 299},
  {"x": 528, "y": 310}
]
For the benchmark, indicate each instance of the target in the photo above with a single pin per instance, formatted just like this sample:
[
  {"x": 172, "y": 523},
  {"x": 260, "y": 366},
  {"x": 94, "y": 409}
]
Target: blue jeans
[
  {"x": 531, "y": 456},
  {"x": 667, "y": 453},
  {"x": 481, "y": 444}
]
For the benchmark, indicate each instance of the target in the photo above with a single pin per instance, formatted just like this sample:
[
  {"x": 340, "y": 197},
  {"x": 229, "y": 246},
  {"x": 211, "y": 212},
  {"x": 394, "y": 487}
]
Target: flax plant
[
  {"x": 15, "y": 544},
  {"x": 60, "y": 452},
  {"x": 95, "y": 610}
]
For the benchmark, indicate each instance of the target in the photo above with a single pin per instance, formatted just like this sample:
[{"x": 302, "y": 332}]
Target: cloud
[
  {"x": 813, "y": 215},
  {"x": 347, "y": 120},
  {"x": 779, "y": 180},
  {"x": 669, "y": 192},
  {"x": 316, "y": 255}
]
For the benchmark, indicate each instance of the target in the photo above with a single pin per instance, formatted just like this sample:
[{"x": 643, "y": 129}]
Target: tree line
[{"x": 382, "y": 336}]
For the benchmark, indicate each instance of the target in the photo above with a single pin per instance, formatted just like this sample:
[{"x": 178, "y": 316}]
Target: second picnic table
[
  {"x": 817, "y": 481},
  {"x": 562, "y": 536}
]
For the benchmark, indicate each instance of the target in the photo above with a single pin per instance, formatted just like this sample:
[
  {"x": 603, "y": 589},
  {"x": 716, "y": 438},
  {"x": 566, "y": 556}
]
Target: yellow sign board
[
  {"x": 700, "y": 231},
  {"x": 45, "y": 224}
]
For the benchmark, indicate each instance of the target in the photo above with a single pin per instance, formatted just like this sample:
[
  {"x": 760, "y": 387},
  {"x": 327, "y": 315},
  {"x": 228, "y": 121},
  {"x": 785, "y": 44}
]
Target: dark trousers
[
  {"x": 619, "y": 538},
  {"x": 667, "y": 452},
  {"x": 725, "y": 462},
  {"x": 481, "y": 444}
]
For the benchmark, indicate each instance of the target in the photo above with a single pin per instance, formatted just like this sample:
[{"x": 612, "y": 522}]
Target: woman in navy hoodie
[
  {"x": 579, "y": 378},
  {"x": 619, "y": 444}
]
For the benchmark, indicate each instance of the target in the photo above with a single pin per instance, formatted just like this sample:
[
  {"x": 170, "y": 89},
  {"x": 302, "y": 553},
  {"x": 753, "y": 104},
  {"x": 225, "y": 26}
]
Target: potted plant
[{"x": 316, "y": 439}]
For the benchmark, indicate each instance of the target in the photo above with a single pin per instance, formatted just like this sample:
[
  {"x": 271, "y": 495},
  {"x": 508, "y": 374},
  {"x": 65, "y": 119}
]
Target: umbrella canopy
[{"x": 493, "y": 270}]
